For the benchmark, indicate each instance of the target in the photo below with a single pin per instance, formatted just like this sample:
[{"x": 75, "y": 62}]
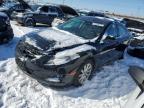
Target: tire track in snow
[
  {"x": 22, "y": 91},
  {"x": 1, "y": 95},
  {"x": 7, "y": 52}
]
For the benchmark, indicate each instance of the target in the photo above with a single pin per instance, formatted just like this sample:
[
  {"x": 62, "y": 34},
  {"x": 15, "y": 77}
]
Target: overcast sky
[{"x": 129, "y": 7}]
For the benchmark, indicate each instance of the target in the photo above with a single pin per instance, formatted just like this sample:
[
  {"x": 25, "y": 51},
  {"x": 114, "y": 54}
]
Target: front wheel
[
  {"x": 29, "y": 22},
  {"x": 84, "y": 73}
]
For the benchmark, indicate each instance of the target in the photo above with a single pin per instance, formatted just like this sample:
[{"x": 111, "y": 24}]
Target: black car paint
[
  {"x": 6, "y": 32},
  {"x": 105, "y": 52},
  {"x": 136, "y": 48},
  {"x": 98, "y": 14}
]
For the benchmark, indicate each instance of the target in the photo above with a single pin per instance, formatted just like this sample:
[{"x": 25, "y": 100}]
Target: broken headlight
[{"x": 60, "y": 59}]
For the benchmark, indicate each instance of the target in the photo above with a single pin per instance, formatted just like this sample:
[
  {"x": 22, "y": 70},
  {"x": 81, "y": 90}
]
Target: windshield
[{"x": 82, "y": 28}]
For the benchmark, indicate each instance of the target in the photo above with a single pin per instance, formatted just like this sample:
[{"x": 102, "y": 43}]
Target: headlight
[
  {"x": 60, "y": 59},
  {"x": 20, "y": 15}
]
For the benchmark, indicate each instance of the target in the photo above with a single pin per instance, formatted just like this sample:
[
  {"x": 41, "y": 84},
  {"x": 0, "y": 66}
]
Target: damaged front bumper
[{"x": 54, "y": 75}]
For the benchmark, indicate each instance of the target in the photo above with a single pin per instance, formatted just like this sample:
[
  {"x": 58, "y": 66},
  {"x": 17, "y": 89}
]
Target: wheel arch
[{"x": 30, "y": 18}]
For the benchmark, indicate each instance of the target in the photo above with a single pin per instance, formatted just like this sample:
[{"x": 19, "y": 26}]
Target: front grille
[
  {"x": 28, "y": 50},
  {"x": 32, "y": 68},
  {"x": 32, "y": 49},
  {"x": 21, "y": 64}
]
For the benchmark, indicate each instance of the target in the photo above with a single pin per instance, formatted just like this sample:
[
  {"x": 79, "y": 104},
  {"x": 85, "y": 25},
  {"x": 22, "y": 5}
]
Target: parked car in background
[
  {"x": 135, "y": 24},
  {"x": 97, "y": 14},
  {"x": 91, "y": 13},
  {"x": 46, "y": 14},
  {"x": 70, "y": 53},
  {"x": 83, "y": 12},
  {"x": 33, "y": 7},
  {"x": 137, "y": 98},
  {"x": 6, "y": 32},
  {"x": 136, "y": 47},
  {"x": 9, "y": 7},
  {"x": 100, "y": 14}
]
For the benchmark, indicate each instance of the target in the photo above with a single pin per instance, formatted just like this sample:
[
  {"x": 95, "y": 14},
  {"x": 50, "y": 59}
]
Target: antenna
[{"x": 63, "y": 2}]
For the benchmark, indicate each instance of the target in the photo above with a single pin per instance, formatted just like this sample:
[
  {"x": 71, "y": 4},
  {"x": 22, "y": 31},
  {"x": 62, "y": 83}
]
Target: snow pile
[
  {"x": 70, "y": 54},
  {"x": 110, "y": 88}
]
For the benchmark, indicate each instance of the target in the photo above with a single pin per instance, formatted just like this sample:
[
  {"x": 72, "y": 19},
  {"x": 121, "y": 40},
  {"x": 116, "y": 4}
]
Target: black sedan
[
  {"x": 6, "y": 32},
  {"x": 70, "y": 53},
  {"x": 136, "y": 48}
]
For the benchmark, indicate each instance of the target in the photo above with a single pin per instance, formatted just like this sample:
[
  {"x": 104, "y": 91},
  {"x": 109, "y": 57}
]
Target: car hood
[
  {"x": 2, "y": 9},
  {"x": 3, "y": 15},
  {"x": 53, "y": 38}
]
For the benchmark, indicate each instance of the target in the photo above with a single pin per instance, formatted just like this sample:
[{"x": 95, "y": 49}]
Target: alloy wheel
[{"x": 85, "y": 73}]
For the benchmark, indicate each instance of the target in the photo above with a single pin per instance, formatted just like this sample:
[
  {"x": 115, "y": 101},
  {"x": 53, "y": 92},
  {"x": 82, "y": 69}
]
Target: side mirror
[
  {"x": 134, "y": 34},
  {"x": 137, "y": 74},
  {"x": 110, "y": 37},
  {"x": 38, "y": 11}
]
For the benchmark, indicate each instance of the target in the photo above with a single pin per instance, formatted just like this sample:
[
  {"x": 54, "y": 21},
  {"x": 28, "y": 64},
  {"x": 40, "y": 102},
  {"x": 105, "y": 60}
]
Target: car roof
[
  {"x": 3, "y": 15},
  {"x": 93, "y": 19},
  {"x": 65, "y": 8}
]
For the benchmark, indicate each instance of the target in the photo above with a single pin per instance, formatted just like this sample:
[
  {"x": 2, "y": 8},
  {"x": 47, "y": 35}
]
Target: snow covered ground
[{"x": 110, "y": 88}]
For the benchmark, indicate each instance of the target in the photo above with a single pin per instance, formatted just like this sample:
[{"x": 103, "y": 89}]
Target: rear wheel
[
  {"x": 29, "y": 22},
  {"x": 84, "y": 73}
]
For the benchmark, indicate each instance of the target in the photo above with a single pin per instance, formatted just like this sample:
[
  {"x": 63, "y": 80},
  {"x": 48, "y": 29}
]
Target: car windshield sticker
[{"x": 97, "y": 24}]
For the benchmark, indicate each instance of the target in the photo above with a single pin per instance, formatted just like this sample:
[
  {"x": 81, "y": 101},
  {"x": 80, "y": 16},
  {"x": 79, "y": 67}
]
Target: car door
[
  {"x": 42, "y": 15},
  {"x": 60, "y": 12},
  {"x": 107, "y": 46},
  {"x": 52, "y": 13}
]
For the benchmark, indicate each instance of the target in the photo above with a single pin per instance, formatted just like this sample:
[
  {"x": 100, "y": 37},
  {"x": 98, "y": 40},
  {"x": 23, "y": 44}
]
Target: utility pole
[{"x": 63, "y": 2}]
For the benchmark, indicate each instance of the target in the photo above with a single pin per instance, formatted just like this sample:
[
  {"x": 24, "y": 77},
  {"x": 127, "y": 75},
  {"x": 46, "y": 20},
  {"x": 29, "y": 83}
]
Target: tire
[
  {"x": 29, "y": 22},
  {"x": 84, "y": 73}
]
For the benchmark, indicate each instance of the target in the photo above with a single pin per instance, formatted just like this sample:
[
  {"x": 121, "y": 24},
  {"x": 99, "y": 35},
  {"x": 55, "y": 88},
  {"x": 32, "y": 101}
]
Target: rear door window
[
  {"x": 52, "y": 9},
  {"x": 59, "y": 11},
  {"x": 44, "y": 9}
]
